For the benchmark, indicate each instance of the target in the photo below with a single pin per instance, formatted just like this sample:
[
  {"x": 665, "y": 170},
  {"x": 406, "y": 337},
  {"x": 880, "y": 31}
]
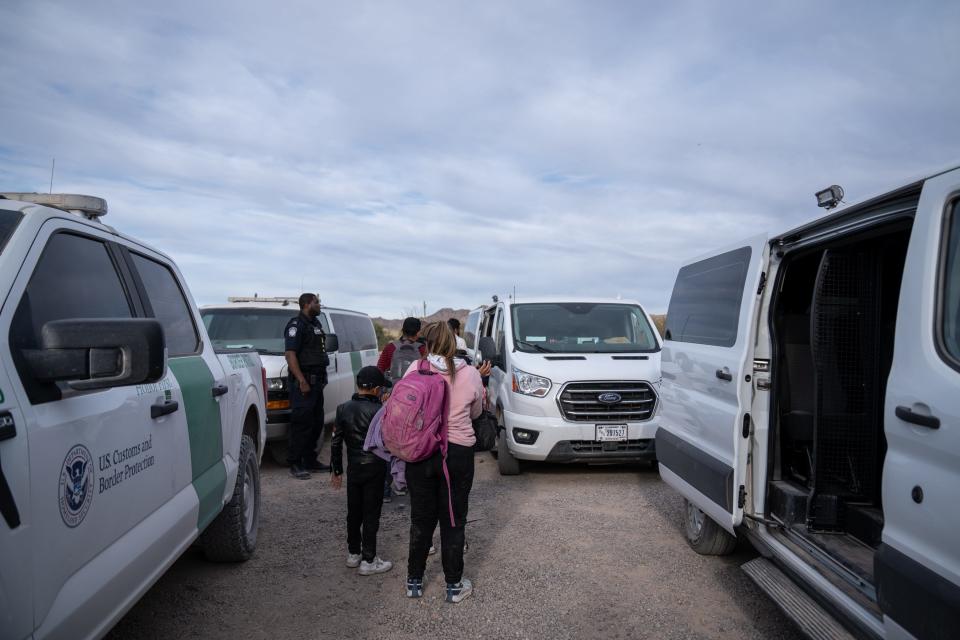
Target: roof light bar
[{"x": 88, "y": 206}]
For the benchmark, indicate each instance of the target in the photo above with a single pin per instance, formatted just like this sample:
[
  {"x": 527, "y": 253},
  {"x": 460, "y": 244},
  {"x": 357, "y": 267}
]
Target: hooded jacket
[{"x": 466, "y": 398}]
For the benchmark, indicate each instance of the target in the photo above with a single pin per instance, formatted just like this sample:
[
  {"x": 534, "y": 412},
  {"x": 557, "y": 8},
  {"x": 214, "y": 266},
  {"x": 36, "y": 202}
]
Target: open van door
[
  {"x": 917, "y": 566},
  {"x": 705, "y": 396}
]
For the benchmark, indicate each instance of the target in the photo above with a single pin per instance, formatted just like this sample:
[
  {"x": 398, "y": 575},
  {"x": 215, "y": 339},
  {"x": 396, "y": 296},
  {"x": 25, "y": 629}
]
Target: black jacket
[{"x": 350, "y": 428}]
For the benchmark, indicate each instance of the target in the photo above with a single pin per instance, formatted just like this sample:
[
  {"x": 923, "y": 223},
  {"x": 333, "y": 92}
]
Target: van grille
[{"x": 580, "y": 401}]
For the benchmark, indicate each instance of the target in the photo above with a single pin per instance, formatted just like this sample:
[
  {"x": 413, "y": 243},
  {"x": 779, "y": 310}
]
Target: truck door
[
  {"x": 918, "y": 563},
  {"x": 707, "y": 351},
  {"x": 103, "y": 466}
]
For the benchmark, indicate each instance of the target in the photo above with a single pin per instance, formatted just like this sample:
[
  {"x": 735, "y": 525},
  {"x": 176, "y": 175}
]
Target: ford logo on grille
[{"x": 609, "y": 398}]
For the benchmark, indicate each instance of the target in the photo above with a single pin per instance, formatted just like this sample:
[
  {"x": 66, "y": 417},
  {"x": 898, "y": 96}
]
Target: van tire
[
  {"x": 232, "y": 536},
  {"x": 506, "y": 463},
  {"x": 704, "y": 535}
]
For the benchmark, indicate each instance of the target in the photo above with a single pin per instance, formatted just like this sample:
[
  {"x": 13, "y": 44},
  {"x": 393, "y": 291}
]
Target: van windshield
[
  {"x": 260, "y": 329},
  {"x": 578, "y": 327}
]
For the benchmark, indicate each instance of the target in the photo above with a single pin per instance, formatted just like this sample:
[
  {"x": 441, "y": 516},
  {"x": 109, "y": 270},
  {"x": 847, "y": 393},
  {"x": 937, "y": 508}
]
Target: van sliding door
[
  {"x": 917, "y": 566},
  {"x": 707, "y": 352}
]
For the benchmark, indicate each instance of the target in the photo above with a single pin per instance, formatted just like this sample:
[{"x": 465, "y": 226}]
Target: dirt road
[{"x": 558, "y": 552}]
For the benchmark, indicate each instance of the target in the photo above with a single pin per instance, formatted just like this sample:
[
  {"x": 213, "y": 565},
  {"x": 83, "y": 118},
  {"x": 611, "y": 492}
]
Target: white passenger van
[
  {"x": 574, "y": 380},
  {"x": 258, "y": 323},
  {"x": 811, "y": 403}
]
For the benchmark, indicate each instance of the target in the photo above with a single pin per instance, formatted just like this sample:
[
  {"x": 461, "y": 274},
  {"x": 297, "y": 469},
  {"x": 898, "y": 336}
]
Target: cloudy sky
[{"x": 390, "y": 153}]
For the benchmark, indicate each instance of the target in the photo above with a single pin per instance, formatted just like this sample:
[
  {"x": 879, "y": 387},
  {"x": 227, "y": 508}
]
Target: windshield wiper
[{"x": 535, "y": 346}]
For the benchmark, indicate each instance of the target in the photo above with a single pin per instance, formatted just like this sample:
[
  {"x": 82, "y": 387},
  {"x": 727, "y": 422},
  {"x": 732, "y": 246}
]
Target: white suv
[{"x": 574, "y": 380}]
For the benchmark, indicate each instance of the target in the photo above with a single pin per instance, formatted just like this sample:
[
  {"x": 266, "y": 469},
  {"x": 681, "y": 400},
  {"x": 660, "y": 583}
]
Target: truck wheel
[
  {"x": 232, "y": 536},
  {"x": 704, "y": 535},
  {"x": 506, "y": 463},
  {"x": 278, "y": 451}
]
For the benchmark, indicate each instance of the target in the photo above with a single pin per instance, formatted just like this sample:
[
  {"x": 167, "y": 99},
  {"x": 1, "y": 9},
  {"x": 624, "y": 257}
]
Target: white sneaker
[
  {"x": 457, "y": 592},
  {"x": 353, "y": 560},
  {"x": 376, "y": 566},
  {"x": 432, "y": 550}
]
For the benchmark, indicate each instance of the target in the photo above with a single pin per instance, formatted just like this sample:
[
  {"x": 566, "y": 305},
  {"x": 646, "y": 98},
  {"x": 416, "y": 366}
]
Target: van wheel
[
  {"x": 506, "y": 463},
  {"x": 704, "y": 535},
  {"x": 278, "y": 451},
  {"x": 232, "y": 536}
]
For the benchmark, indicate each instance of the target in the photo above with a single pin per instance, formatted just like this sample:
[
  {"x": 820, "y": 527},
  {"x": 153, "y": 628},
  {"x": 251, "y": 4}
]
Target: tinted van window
[
  {"x": 169, "y": 306},
  {"x": 705, "y": 305},
  {"x": 950, "y": 292},
  {"x": 354, "y": 333}
]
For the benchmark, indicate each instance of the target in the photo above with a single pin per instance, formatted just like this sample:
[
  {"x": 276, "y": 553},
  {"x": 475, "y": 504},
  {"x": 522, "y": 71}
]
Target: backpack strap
[{"x": 444, "y": 448}]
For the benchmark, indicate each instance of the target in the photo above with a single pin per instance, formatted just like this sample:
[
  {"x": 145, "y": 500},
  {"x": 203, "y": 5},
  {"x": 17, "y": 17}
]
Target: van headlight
[
  {"x": 276, "y": 384},
  {"x": 529, "y": 384}
]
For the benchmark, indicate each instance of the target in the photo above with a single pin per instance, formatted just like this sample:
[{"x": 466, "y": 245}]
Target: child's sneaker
[
  {"x": 459, "y": 591},
  {"x": 397, "y": 491},
  {"x": 353, "y": 560},
  {"x": 432, "y": 550},
  {"x": 375, "y": 566},
  {"x": 414, "y": 587}
]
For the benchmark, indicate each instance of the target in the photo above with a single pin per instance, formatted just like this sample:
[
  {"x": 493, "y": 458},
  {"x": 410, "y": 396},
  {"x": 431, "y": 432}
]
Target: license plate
[{"x": 611, "y": 432}]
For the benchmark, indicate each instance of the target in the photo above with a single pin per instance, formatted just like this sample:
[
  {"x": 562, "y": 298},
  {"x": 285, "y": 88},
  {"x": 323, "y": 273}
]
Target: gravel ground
[{"x": 558, "y": 552}]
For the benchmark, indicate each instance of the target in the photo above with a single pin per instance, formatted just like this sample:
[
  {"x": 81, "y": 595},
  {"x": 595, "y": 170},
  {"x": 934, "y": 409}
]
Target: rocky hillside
[{"x": 392, "y": 326}]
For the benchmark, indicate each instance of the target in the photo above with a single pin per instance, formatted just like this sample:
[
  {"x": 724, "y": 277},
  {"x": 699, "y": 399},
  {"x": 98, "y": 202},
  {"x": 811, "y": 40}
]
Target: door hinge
[
  {"x": 742, "y": 497},
  {"x": 763, "y": 282}
]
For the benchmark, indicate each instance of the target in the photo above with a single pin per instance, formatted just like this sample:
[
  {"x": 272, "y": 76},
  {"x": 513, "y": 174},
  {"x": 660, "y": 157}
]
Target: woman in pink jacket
[{"x": 425, "y": 480}]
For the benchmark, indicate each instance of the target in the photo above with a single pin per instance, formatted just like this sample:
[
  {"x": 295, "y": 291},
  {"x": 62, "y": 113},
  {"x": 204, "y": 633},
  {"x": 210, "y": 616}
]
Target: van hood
[{"x": 568, "y": 367}]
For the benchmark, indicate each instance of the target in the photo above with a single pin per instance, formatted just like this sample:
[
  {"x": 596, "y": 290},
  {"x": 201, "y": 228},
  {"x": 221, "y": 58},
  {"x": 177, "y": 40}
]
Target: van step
[{"x": 813, "y": 620}]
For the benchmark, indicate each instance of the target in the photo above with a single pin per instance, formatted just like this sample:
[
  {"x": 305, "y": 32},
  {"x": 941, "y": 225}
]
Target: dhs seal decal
[{"x": 76, "y": 485}]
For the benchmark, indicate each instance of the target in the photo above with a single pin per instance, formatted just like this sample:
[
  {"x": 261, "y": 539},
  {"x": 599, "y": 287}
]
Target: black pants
[
  {"x": 364, "y": 501},
  {"x": 428, "y": 506},
  {"x": 306, "y": 419}
]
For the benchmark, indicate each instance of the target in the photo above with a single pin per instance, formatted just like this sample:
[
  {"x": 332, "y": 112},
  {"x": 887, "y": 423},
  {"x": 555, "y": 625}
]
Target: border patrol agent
[{"x": 306, "y": 352}]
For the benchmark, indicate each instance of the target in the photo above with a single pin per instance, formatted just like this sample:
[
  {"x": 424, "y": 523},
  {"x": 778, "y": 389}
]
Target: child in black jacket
[{"x": 366, "y": 472}]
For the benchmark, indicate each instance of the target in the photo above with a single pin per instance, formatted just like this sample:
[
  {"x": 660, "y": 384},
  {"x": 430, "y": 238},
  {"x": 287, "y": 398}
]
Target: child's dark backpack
[{"x": 404, "y": 354}]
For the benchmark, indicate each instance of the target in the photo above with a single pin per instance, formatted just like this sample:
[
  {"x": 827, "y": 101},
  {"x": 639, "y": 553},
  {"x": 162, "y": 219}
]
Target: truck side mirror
[
  {"x": 99, "y": 353},
  {"x": 333, "y": 344},
  {"x": 488, "y": 351}
]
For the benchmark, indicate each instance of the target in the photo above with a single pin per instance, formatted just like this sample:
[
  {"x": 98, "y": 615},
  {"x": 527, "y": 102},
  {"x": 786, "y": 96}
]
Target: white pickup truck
[{"x": 124, "y": 437}]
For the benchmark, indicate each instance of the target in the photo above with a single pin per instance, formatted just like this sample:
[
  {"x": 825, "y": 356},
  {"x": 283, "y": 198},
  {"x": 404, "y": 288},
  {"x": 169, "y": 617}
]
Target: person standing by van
[
  {"x": 366, "y": 472},
  {"x": 398, "y": 355},
  {"x": 429, "y": 495},
  {"x": 305, "y": 348}
]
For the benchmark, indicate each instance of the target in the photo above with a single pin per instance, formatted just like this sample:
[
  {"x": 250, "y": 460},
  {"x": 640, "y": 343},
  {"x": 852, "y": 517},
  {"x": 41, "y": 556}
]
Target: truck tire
[
  {"x": 232, "y": 536},
  {"x": 506, "y": 463},
  {"x": 704, "y": 535}
]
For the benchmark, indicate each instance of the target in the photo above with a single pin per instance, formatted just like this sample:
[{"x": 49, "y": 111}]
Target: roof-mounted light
[
  {"x": 88, "y": 206},
  {"x": 830, "y": 197}
]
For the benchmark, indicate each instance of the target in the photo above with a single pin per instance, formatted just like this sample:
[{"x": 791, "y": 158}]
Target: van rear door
[
  {"x": 707, "y": 350},
  {"x": 917, "y": 566}
]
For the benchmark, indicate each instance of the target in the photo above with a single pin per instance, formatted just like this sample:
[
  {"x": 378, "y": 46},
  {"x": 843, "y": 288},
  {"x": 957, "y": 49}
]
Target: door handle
[
  {"x": 219, "y": 390},
  {"x": 907, "y": 415},
  {"x": 724, "y": 374},
  {"x": 163, "y": 408}
]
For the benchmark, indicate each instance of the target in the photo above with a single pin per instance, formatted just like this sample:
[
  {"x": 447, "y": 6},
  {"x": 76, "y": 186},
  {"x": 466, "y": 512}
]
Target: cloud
[{"x": 387, "y": 154}]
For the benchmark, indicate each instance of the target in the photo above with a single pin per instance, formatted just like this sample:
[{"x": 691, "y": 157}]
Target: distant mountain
[{"x": 393, "y": 325}]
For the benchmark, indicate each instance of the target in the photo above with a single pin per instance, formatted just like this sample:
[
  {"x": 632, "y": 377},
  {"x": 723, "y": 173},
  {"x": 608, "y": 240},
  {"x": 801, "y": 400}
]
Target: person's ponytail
[{"x": 440, "y": 341}]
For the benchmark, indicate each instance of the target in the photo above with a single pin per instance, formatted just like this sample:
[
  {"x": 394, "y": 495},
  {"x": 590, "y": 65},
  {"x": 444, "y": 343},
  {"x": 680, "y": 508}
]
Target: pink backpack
[{"x": 414, "y": 425}]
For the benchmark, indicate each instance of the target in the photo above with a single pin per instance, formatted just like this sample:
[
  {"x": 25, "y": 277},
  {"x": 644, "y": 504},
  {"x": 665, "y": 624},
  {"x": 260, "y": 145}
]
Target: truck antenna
[{"x": 53, "y": 165}]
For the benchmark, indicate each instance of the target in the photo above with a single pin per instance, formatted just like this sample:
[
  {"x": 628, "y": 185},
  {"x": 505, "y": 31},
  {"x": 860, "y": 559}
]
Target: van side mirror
[
  {"x": 487, "y": 348},
  {"x": 100, "y": 353},
  {"x": 333, "y": 344}
]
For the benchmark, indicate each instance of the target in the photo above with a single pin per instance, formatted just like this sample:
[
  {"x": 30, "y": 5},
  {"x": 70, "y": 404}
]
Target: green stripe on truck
[{"x": 206, "y": 440}]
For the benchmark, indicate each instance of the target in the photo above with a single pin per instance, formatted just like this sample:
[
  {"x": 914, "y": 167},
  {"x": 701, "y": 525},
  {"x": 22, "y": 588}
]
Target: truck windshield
[
  {"x": 260, "y": 329},
  {"x": 578, "y": 327},
  {"x": 8, "y": 223}
]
